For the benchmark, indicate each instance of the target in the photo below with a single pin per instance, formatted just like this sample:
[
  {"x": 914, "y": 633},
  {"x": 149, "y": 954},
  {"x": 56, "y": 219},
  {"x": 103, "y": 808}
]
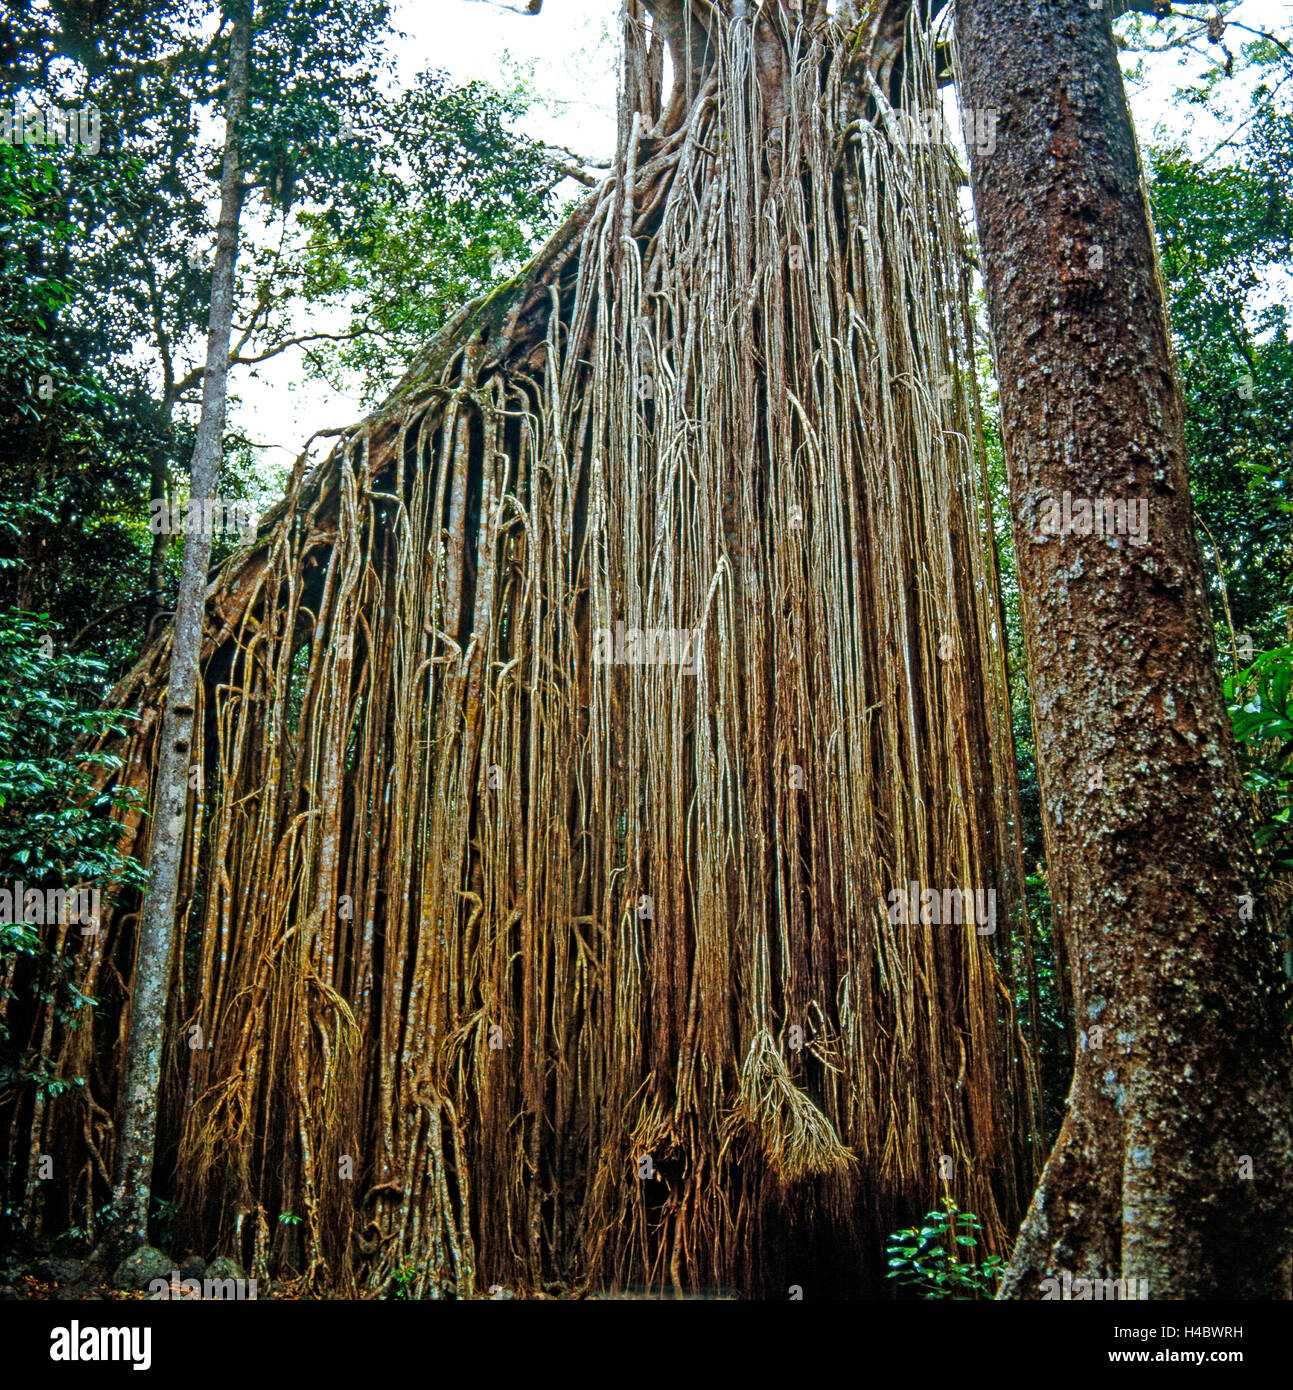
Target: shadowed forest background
[{"x": 460, "y": 999}]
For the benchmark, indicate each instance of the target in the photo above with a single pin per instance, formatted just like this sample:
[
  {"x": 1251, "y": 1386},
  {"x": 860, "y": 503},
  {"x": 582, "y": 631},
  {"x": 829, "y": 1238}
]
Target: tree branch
[
  {"x": 525, "y": 7},
  {"x": 188, "y": 382}
]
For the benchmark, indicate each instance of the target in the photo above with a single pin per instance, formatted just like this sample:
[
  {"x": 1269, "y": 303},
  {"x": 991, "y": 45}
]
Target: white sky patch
[
  {"x": 570, "y": 51},
  {"x": 568, "y": 55}
]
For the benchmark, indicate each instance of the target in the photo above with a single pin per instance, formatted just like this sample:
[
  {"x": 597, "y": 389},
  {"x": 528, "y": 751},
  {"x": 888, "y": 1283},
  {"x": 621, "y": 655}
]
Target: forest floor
[{"x": 43, "y": 1270}]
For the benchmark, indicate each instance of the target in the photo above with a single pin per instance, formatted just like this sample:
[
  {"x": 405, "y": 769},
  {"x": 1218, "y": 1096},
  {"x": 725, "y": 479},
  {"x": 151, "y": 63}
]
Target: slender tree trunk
[
  {"x": 157, "y": 919},
  {"x": 1172, "y": 1164}
]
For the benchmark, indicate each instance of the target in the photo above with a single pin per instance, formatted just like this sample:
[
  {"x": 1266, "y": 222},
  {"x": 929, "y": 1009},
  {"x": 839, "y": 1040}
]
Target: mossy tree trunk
[{"x": 1173, "y": 1162}]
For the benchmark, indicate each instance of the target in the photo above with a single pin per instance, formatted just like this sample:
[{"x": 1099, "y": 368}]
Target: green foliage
[
  {"x": 469, "y": 203},
  {"x": 1054, "y": 1047},
  {"x": 30, "y": 296},
  {"x": 1261, "y": 714},
  {"x": 315, "y": 72},
  {"x": 939, "y": 1258},
  {"x": 1047, "y": 1002},
  {"x": 56, "y": 829},
  {"x": 76, "y": 427},
  {"x": 163, "y": 1221},
  {"x": 389, "y": 209},
  {"x": 1225, "y": 227},
  {"x": 53, "y": 827}
]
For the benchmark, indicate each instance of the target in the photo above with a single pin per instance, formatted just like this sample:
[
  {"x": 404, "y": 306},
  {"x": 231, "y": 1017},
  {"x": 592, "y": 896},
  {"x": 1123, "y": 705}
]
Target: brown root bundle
[{"x": 797, "y": 1139}]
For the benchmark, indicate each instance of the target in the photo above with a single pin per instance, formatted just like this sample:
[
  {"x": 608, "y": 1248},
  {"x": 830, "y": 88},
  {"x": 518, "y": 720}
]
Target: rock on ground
[{"x": 137, "y": 1271}]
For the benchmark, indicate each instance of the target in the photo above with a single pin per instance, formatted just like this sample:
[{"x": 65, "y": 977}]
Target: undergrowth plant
[{"x": 938, "y": 1258}]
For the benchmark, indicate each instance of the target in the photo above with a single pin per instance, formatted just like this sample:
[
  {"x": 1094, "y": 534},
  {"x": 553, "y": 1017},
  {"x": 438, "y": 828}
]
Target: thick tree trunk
[
  {"x": 1172, "y": 1165},
  {"x": 157, "y": 926}
]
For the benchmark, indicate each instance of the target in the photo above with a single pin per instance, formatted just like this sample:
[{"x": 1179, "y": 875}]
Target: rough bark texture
[
  {"x": 152, "y": 970},
  {"x": 1172, "y": 1165}
]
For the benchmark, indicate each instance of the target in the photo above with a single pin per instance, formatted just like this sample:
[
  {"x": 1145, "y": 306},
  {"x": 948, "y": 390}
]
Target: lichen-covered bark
[{"x": 1173, "y": 1162}]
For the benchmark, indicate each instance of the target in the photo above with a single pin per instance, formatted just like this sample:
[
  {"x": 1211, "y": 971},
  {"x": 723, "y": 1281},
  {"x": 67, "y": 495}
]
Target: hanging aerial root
[{"x": 798, "y": 1141}]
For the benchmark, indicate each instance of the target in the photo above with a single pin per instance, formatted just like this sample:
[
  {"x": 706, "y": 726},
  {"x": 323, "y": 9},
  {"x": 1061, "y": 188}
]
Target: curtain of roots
[{"x": 522, "y": 950}]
